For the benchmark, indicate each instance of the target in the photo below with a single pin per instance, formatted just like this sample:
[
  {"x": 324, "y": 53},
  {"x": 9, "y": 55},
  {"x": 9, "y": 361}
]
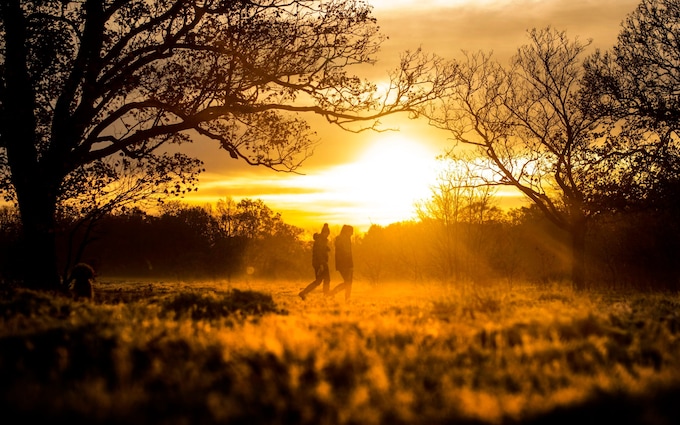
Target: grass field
[{"x": 248, "y": 353}]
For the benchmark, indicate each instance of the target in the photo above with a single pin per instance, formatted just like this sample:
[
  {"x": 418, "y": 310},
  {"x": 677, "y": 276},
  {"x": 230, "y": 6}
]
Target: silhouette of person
[
  {"x": 343, "y": 260},
  {"x": 320, "y": 251}
]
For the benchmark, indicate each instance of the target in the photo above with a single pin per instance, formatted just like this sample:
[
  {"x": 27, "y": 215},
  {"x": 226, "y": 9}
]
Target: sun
[
  {"x": 380, "y": 186},
  {"x": 387, "y": 179},
  {"x": 395, "y": 167}
]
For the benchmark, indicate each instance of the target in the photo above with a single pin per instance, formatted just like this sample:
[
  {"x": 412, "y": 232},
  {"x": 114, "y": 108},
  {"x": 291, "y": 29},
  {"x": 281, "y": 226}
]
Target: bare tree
[
  {"x": 82, "y": 81},
  {"x": 460, "y": 199},
  {"x": 444, "y": 209},
  {"x": 226, "y": 211},
  {"x": 527, "y": 122}
]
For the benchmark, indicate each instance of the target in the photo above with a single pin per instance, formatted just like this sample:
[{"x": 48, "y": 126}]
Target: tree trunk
[
  {"x": 39, "y": 248},
  {"x": 35, "y": 187},
  {"x": 36, "y": 191}
]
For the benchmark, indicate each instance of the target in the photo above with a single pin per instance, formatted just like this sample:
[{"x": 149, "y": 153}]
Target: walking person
[
  {"x": 320, "y": 254},
  {"x": 343, "y": 260}
]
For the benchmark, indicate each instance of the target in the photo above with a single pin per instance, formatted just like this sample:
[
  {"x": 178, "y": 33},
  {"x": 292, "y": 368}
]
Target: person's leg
[
  {"x": 312, "y": 285},
  {"x": 326, "y": 281},
  {"x": 308, "y": 289},
  {"x": 349, "y": 277},
  {"x": 346, "y": 280},
  {"x": 337, "y": 288}
]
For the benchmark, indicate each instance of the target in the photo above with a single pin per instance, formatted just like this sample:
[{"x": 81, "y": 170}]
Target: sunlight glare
[
  {"x": 386, "y": 180},
  {"x": 381, "y": 186}
]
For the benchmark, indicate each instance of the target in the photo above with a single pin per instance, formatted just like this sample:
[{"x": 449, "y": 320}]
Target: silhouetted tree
[
  {"x": 636, "y": 249},
  {"x": 538, "y": 248},
  {"x": 372, "y": 251},
  {"x": 185, "y": 235},
  {"x": 443, "y": 211},
  {"x": 459, "y": 200},
  {"x": 272, "y": 245},
  {"x": 527, "y": 122},
  {"x": 113, "y": 185},
  {"x": 10, "y": 231},
  {"x": 411, "y": 245},
  {"x": 253, "y": 219},
  {"x": 225, "y": 212},
  {"x": 190, "y": 241},
  {"x": 83, "y": 81},
  {"x": 635, "y": 85}
]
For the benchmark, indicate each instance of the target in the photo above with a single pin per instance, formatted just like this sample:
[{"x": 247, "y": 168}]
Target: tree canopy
[
  {"x": 635, "y": 85},
  {"x": 89, "y": 89},
  {"x": 526, "y": 122},
  {"x": 576, "y": 134}
]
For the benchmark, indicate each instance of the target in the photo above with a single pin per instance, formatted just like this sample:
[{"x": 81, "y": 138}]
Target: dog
[{"x": 80, "y": 282}]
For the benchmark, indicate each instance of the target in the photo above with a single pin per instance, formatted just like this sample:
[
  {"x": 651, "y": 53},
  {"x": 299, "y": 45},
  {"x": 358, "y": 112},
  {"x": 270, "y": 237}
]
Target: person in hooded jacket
[
  {"x": 320, "y": 254},
  {"x": 344, "y": 262}
]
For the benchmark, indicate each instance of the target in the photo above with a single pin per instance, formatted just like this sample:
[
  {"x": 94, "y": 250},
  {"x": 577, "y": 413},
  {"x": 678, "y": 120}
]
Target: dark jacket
[
  {"x": 343, "y": 249},
  {"x": 320, "y": 250}
]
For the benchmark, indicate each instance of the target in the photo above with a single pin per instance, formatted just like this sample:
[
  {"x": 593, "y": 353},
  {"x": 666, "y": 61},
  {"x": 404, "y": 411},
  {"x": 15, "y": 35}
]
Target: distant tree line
[
  {"x": 634, "y": 250},
  {"x": 179, "y": 241},
  {"x": 479, "y": 244}
]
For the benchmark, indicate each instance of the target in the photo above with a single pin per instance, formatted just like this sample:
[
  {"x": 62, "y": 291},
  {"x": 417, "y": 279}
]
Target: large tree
[
  {"x": 84, "y": 81},
  {"x": 636, "y": 85},
  {"x": 526, "y": 120}
]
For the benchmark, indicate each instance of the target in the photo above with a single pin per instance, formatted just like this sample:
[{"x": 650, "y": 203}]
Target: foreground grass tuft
[{"x": 209, "y": 306}]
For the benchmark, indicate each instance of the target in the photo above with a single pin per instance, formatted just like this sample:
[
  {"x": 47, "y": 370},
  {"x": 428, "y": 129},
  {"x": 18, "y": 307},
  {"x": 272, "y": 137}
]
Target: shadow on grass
[
  {"x": 207, "y": 306},
  {"x": 658, "y": 407}
]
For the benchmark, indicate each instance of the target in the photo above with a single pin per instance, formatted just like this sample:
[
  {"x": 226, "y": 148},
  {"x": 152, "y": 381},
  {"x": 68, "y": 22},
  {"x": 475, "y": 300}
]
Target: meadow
[{"x": 253, "y": 352}]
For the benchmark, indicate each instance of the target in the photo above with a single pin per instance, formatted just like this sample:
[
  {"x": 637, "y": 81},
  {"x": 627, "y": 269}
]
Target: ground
[{"x": 253, "y": 352}]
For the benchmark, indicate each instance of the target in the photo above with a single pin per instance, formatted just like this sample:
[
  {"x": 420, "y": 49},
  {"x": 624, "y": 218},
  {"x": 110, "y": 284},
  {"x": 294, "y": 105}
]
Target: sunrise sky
[{"x": 375, "y": 178}]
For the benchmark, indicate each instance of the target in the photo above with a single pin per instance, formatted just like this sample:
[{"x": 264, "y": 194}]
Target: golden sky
[{"x": 375, "y": 178}]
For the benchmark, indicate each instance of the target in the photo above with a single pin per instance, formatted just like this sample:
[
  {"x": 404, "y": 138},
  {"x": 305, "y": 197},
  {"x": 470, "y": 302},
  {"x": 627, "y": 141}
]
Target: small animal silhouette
[{"x": 80, "y": 281}]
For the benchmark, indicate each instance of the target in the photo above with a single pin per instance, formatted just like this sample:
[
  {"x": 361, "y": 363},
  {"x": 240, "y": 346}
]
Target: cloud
[
  {"x": 443, "y": 27},
  {"x": 498, "y": 26}
]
